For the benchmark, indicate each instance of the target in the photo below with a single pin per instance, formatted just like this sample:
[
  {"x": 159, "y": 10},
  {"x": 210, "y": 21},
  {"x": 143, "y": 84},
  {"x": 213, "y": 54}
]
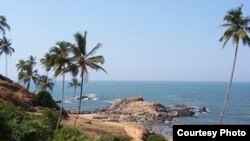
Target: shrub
[
  {"x": 9, "y": 115},
  {"x": 31, "y": 130},
  {"x": 45, "y": 99},
  {"x": 49, "y": 117},
  {"x": 156, "y": 137},
  {"x": 70, "y": 134},
  {"x": 115, "y": 137},
  {"x": 10, "y": 112}
]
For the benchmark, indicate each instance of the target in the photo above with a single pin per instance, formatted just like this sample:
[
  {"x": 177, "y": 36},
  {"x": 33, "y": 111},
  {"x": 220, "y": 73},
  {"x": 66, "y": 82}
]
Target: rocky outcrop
[{"x": 137, "y": 110}]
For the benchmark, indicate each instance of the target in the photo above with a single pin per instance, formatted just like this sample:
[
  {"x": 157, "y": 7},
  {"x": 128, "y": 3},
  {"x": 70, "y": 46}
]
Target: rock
[
  {"x": 82, "y": 97},
  {"x": 183, "y": 110},
  {"x": 58, "y": 101},
  {"x": 135, "y": 109},
  {"x": 203, "y": 110},
  {"x": 173, "y": 114}
]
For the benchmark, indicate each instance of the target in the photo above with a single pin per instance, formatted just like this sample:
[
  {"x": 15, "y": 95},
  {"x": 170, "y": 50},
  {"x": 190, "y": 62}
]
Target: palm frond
[
  {"x": 81, "y": 42},
  {"x": 96, "y": 67},
  {"x": 95, "y": 59},
  {"x": 236, "y": 39},
  {"x": 93, "y": 51}
]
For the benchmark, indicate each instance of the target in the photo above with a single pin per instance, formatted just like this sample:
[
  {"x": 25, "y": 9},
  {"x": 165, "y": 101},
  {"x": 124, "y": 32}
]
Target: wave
[
  {"x": 110, "y": 101},
  {"x": 68, "y": 101},
  {"x": 88, "y": 97},
  {"x": 93, "y": 96}
]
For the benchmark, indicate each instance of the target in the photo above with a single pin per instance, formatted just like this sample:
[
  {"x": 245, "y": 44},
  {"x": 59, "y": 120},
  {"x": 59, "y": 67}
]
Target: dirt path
[{"x": 98, "y": 125}]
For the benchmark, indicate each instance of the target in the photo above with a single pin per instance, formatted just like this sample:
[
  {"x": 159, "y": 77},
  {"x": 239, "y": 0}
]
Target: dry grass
[{"x": 101, "y": 126}]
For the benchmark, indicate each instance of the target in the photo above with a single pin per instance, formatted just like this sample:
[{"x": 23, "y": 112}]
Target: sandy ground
[{"x": 97, "y": 125}]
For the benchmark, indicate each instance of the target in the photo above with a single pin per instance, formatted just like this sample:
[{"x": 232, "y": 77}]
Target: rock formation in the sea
[{"x": 137, "y": 110}]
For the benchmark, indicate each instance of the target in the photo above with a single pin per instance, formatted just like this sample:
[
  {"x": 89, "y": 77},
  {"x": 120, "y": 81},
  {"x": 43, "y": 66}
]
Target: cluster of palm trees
[
  {"x": 27, "y": 74},
  {"x": 65, "y": 57},
  {"x": 5, "y": 44}
]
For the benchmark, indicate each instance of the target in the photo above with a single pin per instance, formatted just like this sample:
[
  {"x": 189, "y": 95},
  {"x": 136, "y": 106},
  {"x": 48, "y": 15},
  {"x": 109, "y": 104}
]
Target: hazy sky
[{"x": 142, "y": 39}]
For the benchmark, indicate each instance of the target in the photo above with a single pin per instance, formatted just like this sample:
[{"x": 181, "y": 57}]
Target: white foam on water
[
  {"x": 108, "y": 101},
  {"x": 93, "y": 96}
]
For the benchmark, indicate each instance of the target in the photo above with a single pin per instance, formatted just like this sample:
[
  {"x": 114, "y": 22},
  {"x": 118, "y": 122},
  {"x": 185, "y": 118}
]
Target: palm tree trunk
[
  {"x": 229, "y": 87},
  {"x": 54, "y": 86},
  {"x": 6, "y": 65},
  {"x": 61, "y": 107},
  {"x": 28, "y": 85},
  {"x": 80, "y": 101},
  {"x": 74, "y": 91}
]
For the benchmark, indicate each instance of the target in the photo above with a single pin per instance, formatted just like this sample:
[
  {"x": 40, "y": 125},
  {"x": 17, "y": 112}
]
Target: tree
[
  {"x": 74, "y": 83},
  {"x": 58, "y": 60},
  {"x": 84, "y": 61},
  {"x": 45, "y": 83},
  {"x": 46, "y": 62},
  {"x": 3, "y": 24},
  {"x": 27, "y": 71},
  {"x": 5, "y": 47},
  {"x": 237, "y": 28}
]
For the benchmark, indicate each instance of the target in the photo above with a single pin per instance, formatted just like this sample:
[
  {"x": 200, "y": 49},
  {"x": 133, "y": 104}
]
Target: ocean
[{"x": 198, "y": 94}]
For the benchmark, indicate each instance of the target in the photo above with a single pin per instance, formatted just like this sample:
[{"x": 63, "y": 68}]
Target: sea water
[{"x": 198, "y": 94}]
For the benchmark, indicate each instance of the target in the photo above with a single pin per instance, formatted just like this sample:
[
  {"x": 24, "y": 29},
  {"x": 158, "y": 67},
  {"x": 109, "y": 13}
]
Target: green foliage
[
  {"x": 115, "y": 137},
  {"x": 10, "y": 112},
  {"x": 30, "y": 130},
  {"x": 9, "y": 115},
  {"x": 45, "y": 99},
  {"x": 38, "y": 128},
  {"x": 70, "y": 134},
  {"x": 156, "y": 137},
  {"x": 15, "y": 125},
  {"x": 49, "y": 117}
]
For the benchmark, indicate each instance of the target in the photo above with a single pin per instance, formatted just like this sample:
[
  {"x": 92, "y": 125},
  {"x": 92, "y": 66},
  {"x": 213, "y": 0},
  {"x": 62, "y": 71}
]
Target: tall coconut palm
[
  {"x": 74, "y": 83},
  {"x": 27, "y": 71},
  {"x": 46, "y": 62},
  {"x": 85, "y": 60},
  {"x": 59, "y": 61},
  {"x": 44, "y": 83},
  {"x": 3, "y": 24},
  {"x": 20, "y": 65},
  {"x": 5, "y": 47},
  {"x": 237, "y": 28}
]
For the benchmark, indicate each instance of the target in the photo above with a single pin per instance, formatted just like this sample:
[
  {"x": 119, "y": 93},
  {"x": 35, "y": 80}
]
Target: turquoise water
[{"x": 209, "y": 94}]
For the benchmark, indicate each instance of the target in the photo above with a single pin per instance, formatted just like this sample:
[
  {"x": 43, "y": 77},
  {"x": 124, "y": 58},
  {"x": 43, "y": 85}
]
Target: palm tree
[
  {"x": 46, "y": 62},
  {"x": 85, "y": 60},
  {"x": 3, "y": 24},
  {"x": 27, "y": 73},
  {"x": 237, "y": 28},
  {"x": 74, "y": 83},
  {"x": 58, "y": 60},
  {"x": 5, "y": 47},
  {"x": 45, "y": 83}
]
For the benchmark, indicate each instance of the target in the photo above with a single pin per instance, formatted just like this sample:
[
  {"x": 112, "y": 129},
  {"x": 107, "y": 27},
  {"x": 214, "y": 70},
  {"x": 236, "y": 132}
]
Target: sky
[{"x": 143, "y": 40}]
